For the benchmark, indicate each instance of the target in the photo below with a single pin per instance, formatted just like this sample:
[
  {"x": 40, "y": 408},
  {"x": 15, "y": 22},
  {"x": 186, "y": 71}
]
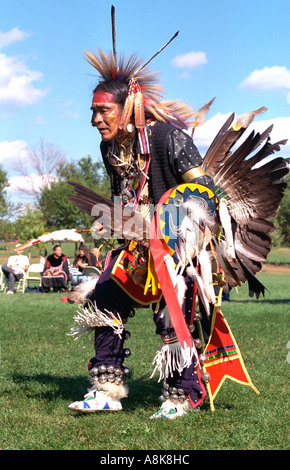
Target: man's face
[
  {"x": 106, "y": 116},
  {"x": 57, "y": 252}
]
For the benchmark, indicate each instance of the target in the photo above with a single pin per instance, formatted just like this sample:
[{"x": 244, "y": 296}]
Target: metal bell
[
  {"x": 93, "y": 379},
  {"x": 191, "y": 328},
  {"x": 205, "y": 377},
  {"x": 132, "y": 313},
  {"x": 111, "y": 378},
  {"x": 197, "y": 316},
  {"x": 102, "y": 369},
  {"x": 172, "y": 390},
  {"x": 165, "y": 385},
  {"x": 102, "y": 378},
  {"x": 118, "y": 372},
  {"x": 94, "y": 371},
  {"x": 118, "y": 380},
  {"x": 126, "y": 371},
  {"x": 198, "y": 343},
  {"x": 165, "y": 393},
  {"x": 182, "y": 398},
  {"x": 127, "y": 352},
  {"x": 111, "y": 369},
  {"x": 127, "y": 334},
  {"x": 202, "y": 358}
]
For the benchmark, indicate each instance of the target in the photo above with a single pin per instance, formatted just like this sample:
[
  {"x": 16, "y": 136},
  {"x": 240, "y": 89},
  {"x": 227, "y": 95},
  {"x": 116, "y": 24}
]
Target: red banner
[{"x": 223, "y": 358}]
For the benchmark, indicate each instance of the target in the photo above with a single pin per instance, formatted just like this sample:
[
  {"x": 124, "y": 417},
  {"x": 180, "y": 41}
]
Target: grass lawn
[{"x": 42, "y": 370}]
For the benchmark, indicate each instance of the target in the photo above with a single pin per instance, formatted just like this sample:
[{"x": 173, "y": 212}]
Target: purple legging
[{"x": 109, "y": 347}]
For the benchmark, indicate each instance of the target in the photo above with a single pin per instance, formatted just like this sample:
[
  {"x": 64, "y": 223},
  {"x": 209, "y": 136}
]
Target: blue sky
[{"x": 237, "y": 52}]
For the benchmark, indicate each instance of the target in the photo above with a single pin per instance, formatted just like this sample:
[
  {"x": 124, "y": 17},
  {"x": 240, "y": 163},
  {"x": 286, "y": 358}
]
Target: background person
[
  {"x": 56, "y": 273},
  {"x": 15, "y": 268},
  {"x": 84, "y": 258},
  {"x": 100, "y": 259}
]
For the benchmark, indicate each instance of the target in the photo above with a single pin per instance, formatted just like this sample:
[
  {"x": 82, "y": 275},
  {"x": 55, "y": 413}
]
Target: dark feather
[
  {"x": 253, "y": 188},
  {"x": 115, "y": 219}
]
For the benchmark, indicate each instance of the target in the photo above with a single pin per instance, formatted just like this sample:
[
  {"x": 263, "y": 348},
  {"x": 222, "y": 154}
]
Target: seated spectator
[
  {"x": 15, "y": 268},
  {"x": 84, "y": 258},
  {"x": 56, "y": 273},
  {"x": 100, "y": 259}
]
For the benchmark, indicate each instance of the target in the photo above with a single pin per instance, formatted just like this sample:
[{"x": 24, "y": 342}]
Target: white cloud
[
  {"x": 267, "y": 79},
  {"x": 11, "y": 36},
  {"x": 10, "y": 151},
  {"x": 17, "y": 83},
  {"x": 70, "y": 114},
  {"x": 204, "y": 135},
  {"x": 189, "y": 60},
  {"x": 23, "y": 182}
]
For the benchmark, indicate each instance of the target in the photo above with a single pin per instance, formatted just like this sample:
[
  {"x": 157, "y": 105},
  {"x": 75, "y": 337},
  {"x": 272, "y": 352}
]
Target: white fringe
[
  {"x": 206, "y": 274},
  {"x": 171, "y": 357},
  {"x": 89, "y": 318},
  {"x": 191, "y": 271},
  {"x": 116, "y": 392},
  {"x": 227, "y": 227}
]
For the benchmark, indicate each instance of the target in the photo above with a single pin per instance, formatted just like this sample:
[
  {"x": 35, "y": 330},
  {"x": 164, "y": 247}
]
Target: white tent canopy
[{"x": 62, "y": 236}]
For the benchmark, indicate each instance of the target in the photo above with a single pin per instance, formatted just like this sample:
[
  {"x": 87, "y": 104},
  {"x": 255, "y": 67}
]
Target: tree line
[{"x": 51, "y": 208}]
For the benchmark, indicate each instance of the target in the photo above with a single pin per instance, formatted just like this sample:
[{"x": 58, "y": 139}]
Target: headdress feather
[{"x": 146, "y": 97}]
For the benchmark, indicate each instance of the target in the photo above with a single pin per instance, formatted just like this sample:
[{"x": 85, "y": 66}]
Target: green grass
[{"x": 43, "y": 369}]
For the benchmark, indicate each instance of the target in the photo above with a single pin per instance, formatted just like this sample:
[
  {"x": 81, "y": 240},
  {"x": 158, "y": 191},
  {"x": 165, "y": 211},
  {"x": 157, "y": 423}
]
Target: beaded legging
[{"x": 110, "y": 352}]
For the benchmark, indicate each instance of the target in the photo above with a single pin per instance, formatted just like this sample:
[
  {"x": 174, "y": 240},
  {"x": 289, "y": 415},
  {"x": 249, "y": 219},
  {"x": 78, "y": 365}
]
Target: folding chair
[
  {"x": 91, "y": 271},
  {"x": 2, "y": 281},
  {"x": 19, "y": 286},
  {"x": 33, "y": 274}
]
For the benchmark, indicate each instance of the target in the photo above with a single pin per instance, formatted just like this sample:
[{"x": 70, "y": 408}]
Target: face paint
[{"x": 106, "y": 115}]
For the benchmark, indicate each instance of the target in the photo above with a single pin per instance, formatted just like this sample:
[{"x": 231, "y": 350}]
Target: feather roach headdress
[{"x": 144, "y": 90}]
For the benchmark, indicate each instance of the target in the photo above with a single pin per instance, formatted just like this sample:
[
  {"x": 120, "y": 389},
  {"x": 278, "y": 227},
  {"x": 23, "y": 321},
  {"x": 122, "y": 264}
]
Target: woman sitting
[
  {"x": 84, "y": 258},
  {"x": 55, "y": 272}
]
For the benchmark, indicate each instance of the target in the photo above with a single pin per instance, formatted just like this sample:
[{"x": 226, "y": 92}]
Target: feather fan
[
  {"x": 253, "y": 190},
  {"x": 114, "y": 218}
]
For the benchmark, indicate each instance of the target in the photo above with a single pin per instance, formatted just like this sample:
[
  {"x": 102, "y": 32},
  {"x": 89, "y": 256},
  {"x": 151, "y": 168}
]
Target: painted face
[{"x": 106, "y": 116}]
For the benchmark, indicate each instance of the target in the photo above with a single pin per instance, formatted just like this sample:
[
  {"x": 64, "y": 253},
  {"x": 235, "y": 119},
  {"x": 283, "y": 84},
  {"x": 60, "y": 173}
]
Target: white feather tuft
[{"x": 206, "y": 274}]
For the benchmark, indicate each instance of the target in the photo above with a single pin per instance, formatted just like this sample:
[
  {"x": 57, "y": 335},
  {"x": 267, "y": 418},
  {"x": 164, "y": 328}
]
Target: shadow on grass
[
  {"x": 143, "y": 391},
  {"x": 251, "y": 300}
]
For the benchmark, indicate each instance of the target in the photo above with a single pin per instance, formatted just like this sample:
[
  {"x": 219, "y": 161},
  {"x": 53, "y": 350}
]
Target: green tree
[
  {"x": 58, "y": 211},
  {"x": 54, "y": 201},
  {"x": 281, "y": 236},
  {"x": 283, "y": 216},
  {"x": 88, "y": 173},
  {"x": 3, "y": 197},
  {"x": 29, "y": 224}
]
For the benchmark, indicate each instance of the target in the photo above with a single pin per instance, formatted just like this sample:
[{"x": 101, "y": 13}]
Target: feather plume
[
  {"x": 245, "y": 119},
  {"x": 200, "y": 115},
  {"x": 116, "y": 67},
  {"x": 206, "y": 274},
  {"x": 82, "y": 291},
  {"x": 193, "y": 274},
  {"x": 139, "y": 112},
  {"x": 227, "y": 227},
  {"x": 127, "y": 111},
  {"x": 225, "y": 265}
]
